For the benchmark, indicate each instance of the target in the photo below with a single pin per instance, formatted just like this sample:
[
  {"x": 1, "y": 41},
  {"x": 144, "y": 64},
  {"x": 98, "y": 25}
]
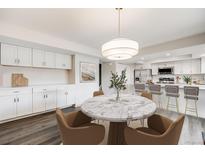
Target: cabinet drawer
[{"x": 12, "y": 91}]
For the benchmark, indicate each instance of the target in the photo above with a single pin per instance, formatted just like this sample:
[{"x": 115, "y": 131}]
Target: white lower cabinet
[
  {"x": 50, "y": 98},
  {"x": 44, "y": 99},
  {"x": 15, "y": 103},
  {"x": 8, "y": 107},
  {"x": 24, "y": 104},
  {"x": 65, "y": 97},
  {"x": 38, "y": 102}
]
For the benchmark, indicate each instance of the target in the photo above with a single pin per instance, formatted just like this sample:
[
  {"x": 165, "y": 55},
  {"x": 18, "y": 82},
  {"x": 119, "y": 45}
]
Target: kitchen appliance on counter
[
  {"x": 166, "y": 71},
  {"x": 168, "y": 80},
  {"x": 142, "y": 75}
]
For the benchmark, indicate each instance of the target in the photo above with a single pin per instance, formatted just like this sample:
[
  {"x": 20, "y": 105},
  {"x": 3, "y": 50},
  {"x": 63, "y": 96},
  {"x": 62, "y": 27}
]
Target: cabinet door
[
  {"x": 9, "y": 54},
  {"x": 39, "y": 102},
  {"x": 24, "y": 56},
  {"x": 154, "y": 69},
  {"x": 68, "y": 61},
  {"x": 50, "y": 100},
  {"x": 186, "y": 67},
  {"x": 62, "y": 97},
  {"x": 38, "y": 58},
  {"x": 196, "y": 66},
  {"x": 49, "y": 60},
  {"x": 8, "y": 107},
  {"x": 177, "y": 68},
  {"x": 203, "y": 65},
  {"x": 24, "y": 104}
]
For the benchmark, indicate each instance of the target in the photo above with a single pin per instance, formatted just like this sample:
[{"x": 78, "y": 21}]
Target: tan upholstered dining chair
[
  {"x": 146, "y": 95},
  {"x": 98, "y": 93},
  {"x": 160, "y": 130},
  {"x": 76, "y": 129}
]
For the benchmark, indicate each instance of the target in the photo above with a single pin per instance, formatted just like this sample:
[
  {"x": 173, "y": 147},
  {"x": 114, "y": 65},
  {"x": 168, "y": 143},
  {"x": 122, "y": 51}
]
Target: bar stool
[
  {"x": 139, "y": 87},
  {"x": 172, "y": 91},
  {"x": 156, "y": 90},
  {"x": 191, "y": 93}
]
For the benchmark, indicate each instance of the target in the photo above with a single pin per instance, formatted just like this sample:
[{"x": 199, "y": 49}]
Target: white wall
[
  {"x": 117, "y": 67},
  {"x": 85, "y": 90},
  {"x": 36, "y": 76}
]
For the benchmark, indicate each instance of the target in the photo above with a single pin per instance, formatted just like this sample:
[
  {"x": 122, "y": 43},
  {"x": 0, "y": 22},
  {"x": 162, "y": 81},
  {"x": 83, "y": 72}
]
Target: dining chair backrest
[
  {"x": 172, "y": 89},
  {"x": 98, "y": 93},
  {"x": 139, "y": 87},
  {"x": 191, "y": 91},
  {"x": 146, "y": 95},
  {"x": 155, "y": 87}
]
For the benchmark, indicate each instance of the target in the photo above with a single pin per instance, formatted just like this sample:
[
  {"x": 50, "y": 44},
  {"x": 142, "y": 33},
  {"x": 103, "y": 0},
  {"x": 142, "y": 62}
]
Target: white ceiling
[{"x": 93, "y": 27}]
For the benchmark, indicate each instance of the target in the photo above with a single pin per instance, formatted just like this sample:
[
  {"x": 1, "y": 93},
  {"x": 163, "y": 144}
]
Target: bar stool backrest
[
  {"x": 140, "y": 86},
  {"x": 155, "y": 87},
  {"x": 191, "y": 91},
  {"x": 172, "y": 89}
]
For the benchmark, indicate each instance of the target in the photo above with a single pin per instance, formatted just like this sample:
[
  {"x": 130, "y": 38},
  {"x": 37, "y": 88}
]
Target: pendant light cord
[{"x": 119, "y": 22}]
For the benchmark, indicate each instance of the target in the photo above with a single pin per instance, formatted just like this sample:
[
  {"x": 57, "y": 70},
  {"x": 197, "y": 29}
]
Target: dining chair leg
[{"x": 186, "y": 106}]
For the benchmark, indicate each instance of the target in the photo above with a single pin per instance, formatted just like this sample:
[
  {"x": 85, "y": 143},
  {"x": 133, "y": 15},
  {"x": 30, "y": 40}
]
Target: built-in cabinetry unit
[
  {"x": 180, "y": 67},
  {"x": 20, "y": 56},
  {"x": 20, "y": 102}
]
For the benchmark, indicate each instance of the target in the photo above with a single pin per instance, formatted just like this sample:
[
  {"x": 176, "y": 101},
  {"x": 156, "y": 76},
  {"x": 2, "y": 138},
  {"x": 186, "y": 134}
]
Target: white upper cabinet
[
  {"x": 43, "y": 59},
  {"x": 196, "y": 66},
  {"x": 154, "y": 69},
  {"x": 203, "y": 65},
  {"x": 38, "y": 58},
  {"x": 63, "y": 61},
  {"x": 15, "y": 55}
]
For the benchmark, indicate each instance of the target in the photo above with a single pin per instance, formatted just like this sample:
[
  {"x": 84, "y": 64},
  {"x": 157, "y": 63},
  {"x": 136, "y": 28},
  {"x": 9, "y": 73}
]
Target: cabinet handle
[
  {"x": 14, "y": 100},
  {"x": 46, "y": 96},
  {"x": 15, "y": 61},
  {"x": 18, "y": 61},
  {"x": 17, "y": 99}
]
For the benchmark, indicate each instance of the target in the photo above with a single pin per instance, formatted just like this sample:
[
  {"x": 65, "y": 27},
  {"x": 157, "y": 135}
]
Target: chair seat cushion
[
  {"x": 191, "y": 97},
  {"x": 148, "y": 131},
  {"x": 156, "y": 92},
  {"x": 172, "y": 95}
]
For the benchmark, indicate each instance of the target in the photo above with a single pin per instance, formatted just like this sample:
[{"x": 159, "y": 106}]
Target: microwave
[{"x": 166, "y": 70}]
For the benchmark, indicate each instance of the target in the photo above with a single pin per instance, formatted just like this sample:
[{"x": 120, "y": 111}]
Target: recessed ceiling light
[{"x": 168, "y": 54}]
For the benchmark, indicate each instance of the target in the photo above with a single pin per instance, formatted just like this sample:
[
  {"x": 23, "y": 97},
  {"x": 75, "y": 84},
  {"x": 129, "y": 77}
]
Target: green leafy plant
[
  {"x": 187, "y": 79},
  {"x": 118, "y": 82}
]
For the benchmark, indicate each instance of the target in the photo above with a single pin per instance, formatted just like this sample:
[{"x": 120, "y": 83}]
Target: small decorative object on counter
[
  {"x": 187, "y": 79},
  {"x": 118, "y": 82},
  {"x": 18, "y": 80},
  {"x": 177, "y": 79}
]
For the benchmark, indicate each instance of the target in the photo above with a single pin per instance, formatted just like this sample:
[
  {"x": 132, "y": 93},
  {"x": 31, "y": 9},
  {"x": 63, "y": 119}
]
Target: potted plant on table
[
  {"x": 118, "y": 82},
  {"x": 187, "y": 79}
]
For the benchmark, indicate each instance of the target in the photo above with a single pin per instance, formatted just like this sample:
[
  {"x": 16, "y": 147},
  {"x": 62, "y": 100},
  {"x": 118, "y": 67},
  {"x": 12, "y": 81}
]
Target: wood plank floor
[{"x": 43, "y": 130}]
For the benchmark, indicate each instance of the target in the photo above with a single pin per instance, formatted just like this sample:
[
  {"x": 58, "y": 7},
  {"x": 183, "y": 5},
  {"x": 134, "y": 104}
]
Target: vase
[{"x": 118, "y": 95}]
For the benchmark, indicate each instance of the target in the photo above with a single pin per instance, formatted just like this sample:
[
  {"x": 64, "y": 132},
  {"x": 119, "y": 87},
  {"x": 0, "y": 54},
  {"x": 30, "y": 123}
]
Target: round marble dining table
[{"x": 128, "y": 108}]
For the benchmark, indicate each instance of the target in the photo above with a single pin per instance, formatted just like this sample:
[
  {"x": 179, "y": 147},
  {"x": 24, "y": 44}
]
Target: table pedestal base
[{"x": 116, "y": 133}]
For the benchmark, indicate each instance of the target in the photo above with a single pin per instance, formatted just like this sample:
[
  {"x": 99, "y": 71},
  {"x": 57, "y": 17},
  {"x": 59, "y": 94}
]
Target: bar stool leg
[
  {"x": 159, "y": 101},
  {"x": 168, "y": 103},
  {"x": 186, "y": 106},
  {"x": 196, "y": 108},
  {"x": 177, "y": 104}
]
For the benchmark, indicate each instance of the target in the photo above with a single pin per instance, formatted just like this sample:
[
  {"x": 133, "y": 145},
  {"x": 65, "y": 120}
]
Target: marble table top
[{"x": 130, "y": 107}]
